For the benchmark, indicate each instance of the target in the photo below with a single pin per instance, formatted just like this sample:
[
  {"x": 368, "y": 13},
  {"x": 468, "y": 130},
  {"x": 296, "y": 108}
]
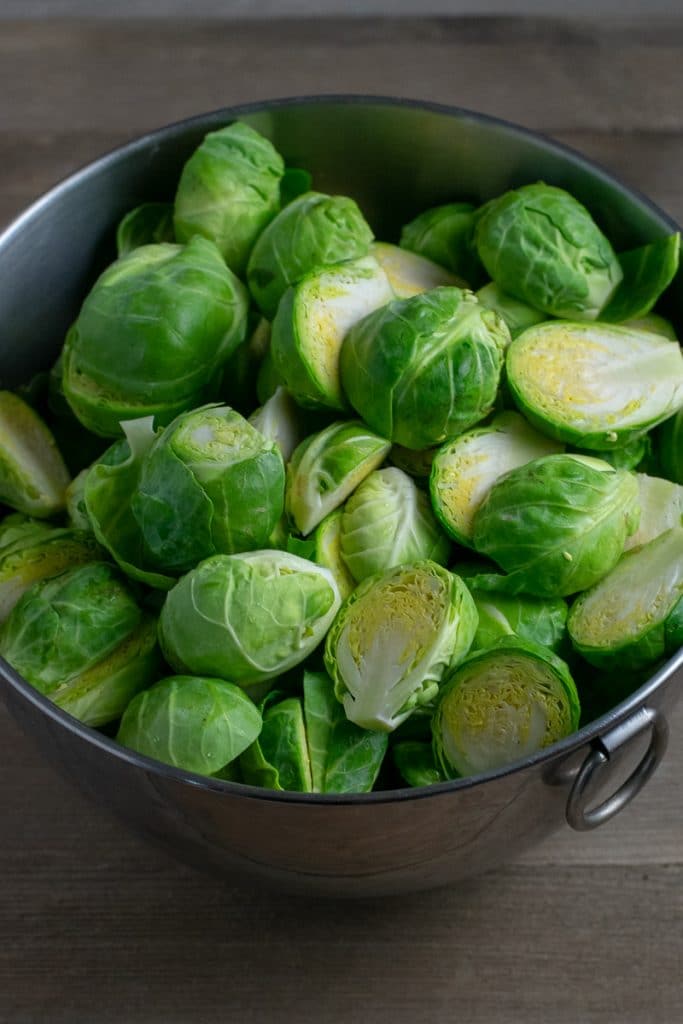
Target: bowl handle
[{"x": 579, "y": 815}]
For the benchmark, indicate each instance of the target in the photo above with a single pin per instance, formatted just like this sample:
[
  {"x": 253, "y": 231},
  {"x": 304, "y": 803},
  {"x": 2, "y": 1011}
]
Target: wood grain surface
[{"x": 96, "y": 925}]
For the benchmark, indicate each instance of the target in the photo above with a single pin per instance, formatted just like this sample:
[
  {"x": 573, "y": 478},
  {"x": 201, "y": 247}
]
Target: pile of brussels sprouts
[{"x": 342, "y": 514}]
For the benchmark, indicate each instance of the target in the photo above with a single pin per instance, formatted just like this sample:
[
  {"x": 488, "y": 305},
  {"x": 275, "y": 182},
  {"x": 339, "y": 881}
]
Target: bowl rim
[{"x": 556, "y": 752}]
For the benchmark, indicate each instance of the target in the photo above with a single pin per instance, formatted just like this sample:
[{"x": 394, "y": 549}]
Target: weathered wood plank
[{"x": 553, "y": 75}]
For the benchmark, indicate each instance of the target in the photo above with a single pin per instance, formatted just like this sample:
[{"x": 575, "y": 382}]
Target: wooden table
[{"x": 97, "y": 926}]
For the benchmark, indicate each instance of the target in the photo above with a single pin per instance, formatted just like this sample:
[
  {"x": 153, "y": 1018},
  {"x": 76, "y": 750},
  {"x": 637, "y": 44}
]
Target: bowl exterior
[{"x": 395, "y": 158}]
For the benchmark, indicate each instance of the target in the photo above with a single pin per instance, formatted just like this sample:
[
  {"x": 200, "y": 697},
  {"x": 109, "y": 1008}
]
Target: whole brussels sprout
[
  {"x": 423, "y": 369},
  {"x": 393, "y": 640},
  {"x": 445, "y": 234},
  {"x": 248, "y": 617},
  {"x": 541, "y": 245},
  {"x": 557, "y": 524},
  {"x": 502, "y": 704},
  {"x": 388, "y": 521},
  {"x": 634, "y": 615},
  {"x": 207, "y": 484},
  {"x": 82, "y": 640},
  {"x": 191, "y": 722},
  {"x": 152, "y": 335},
  {"x": 229, "y": 190},
  {"x": 314, "y": 230}
]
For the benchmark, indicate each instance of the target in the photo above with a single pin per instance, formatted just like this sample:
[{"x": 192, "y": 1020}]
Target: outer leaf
[
  {"x": 145, "y": 225},
  {"x": 416, "y": 763},
  {"x": 647, "y": 271},
  {"x": 279, "y": 757}
]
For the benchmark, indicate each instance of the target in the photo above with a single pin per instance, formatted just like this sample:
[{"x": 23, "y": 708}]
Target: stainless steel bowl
[{"x": 395, "y": 158}]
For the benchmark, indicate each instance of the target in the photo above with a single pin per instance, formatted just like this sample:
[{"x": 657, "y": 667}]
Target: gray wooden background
[{"x": 95, "y": 925}]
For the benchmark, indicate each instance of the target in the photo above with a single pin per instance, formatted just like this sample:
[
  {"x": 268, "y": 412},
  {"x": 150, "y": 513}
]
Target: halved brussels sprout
[
  {"x": 503, "y": 704},
  {"x": 410, "y": 274},
  {"x": 152, "y": 335},
  {"x": 634, "y": 615},
  {"x": 312, "y": 320},
  {"x": 327, "y": 467},
  {"x": 648, "y": 271},
  {"x": 314, "y": 230},
  {"x": 661, "y": 508},
  {"x": 37, "y": 555},
  {"x": 191, "y": 722},
  {"x": 541, "y": 245},
  {"x": 229, "y": 190},
  {"x": 33, "y": 477},
  {"x": 594, "y": 385},
  {"x": 81, "y": 639},
  {"x": 415, "y": 763},
  {"x": 423, "y": 369},
  {"x": 247, "y": 617},
  {"x": 394, "y": 638},
  {"x": 209, "y": 483},
  {"x": 445, "y": 234},
  {"x": 281, "y": 420},
  {"x": 388, "y": 521},
  {"x": 517, "y": 315},
  {"x": 670, "y": 447},
  {"x": 541, "y": 620},
  {"x": 145, "y": 225},
  {"x": 557, "y": 524},
  {"x": 465, "y": 469}
]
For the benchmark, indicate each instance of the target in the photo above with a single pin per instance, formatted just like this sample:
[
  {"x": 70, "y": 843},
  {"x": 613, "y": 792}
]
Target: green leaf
[{"x": 648, "y": 271}]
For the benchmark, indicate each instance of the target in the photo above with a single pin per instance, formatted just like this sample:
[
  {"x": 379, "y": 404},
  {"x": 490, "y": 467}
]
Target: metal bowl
[{"x": 395, "y": 158}]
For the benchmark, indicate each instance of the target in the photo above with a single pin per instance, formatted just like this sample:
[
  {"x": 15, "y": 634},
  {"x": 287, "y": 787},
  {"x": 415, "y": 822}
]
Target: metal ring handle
[{"x": 578, "y": 814}]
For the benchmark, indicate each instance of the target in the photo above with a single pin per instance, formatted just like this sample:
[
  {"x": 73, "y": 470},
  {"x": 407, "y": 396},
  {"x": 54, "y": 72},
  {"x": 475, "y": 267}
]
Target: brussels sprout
[
  {"x": 389, "y": 521},
  {"x": 312, "y": 319},
  {"x": 423, "y": 369},
  {"x": 247, "y": 617},
  {"x": 465, "y": 469},
  {"x": 33, "y": 477},
  {"x": 654, "y": 323},
  {"x": 229, "y": 190},
  {"x": 327, "y": 551},
  {"x": 145, "y": 225},
  {"x": 541, "y": 620},
  {"x": 311, "y": 746},
  {"x": 152, "y": 334},
  {"x": 634, "y": 615},
  {"x": 557, "y": 524},
  {"x": 517, "y": 315},
  {"x": 394, "y": 638},
  {"x": 81, "y": 639},
  {"x": 327, "y": 467},
  {"x": 661, "y": 507},
  {"x": 594, "y": 385},
  {"x": 415, "y": 763},
  {"x": 670, "y": 437},
  {"x": 542, "y": 246},
  {"x": 503, "y": 704},
  {"x": 209, "y": 483},
  {"x": 445, "y": 234},
  {"x": 34, "y": 555},
  {"x": 280, "y": 420},
  {"x": 647, "y": 271},
  {"x": 314, "y": 230},
  {"x": 410, "y": 274},
  {"x": 191, "y": 722}
]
